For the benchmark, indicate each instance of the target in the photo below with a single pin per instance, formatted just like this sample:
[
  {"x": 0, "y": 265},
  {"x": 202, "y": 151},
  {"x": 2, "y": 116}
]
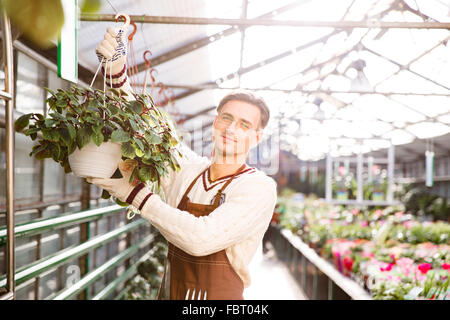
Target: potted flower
[{"x": 88, "y": 132}]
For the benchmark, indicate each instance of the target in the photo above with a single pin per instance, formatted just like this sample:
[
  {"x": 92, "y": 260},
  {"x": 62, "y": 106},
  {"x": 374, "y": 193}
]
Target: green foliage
[
  {"x": 145, "y": 285},
  {"x": 80, "y": 115},
  {"x": 39, "y": 20}
]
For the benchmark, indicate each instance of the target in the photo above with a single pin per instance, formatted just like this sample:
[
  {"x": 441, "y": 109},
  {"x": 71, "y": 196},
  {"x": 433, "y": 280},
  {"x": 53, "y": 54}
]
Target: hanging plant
[{"x": 83, "y": 118}]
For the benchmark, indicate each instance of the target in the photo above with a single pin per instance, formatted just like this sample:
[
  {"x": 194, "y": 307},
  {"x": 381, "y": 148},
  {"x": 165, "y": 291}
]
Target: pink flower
[
  {"x": 378, "y": 213},
  {"x": 398, "y": 214},
  {"x": 387, "y": 268},
  {"x": 446, "y": 266},
  {"x": 424, "y": 267},
  {"x": 355, "y": 212},
  {"x": 364, "y": 223},
  {"x": 408, "y": 224}
]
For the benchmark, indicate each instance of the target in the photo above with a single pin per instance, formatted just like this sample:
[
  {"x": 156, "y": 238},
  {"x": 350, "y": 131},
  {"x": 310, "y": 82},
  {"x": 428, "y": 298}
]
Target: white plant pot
[{"x": 96, "y": 162}]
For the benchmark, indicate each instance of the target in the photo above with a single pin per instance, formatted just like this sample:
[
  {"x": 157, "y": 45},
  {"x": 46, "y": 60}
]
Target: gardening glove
[
  {"x": 114, "y": 50},
  {"x": 118, "y": 188}
]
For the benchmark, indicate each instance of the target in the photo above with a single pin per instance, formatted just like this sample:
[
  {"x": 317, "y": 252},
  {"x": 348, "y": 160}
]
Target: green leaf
[
  {"x": 152, "y": 138},
  {"x": 65, "y": 136},
  {"x": 145, "y": 173},
  {"x": 71, "y": 148},
  {"x": 105, "y": 194},
  {"x": 22, "y": 122},
  {"x": 173, "y": 142},
  {"x": 55, "y": 151},
  {"x": 37, "y": 148},
  {"x": 120, "y": 136},
  {"x": 135, "y": 106},
  {"x": 83, "y": 137},
  {"x": 97, "y": 128},
  {"x": 113, "y": 109},
  {"x": 30, "y": 130},
  {"x": 72, "y": 131},
  {"x": 139, "y": 143},
  {"x": 134, "y": 125},
  {"x": 139, "y": 152},
  {"x": 50, "y": 122},
  {"x": 93, "y": 106},
  {"x": 97, "y": 138},
  {"x": 121, "y": 203},
  {"x": 41, "y": 155},
  {"x": 50, "y": 134},
  {"x": 128, "y": 150}
]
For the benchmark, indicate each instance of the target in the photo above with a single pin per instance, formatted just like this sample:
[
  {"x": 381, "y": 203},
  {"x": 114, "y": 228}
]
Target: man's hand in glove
[
  {"x": 119, "y": 188},
  {"x": 113, "y": 50}
]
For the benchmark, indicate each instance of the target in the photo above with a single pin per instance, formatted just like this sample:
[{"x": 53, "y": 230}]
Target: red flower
[
  {"x": 446, "y": 266},
  {"x": 348, "y": 263},
  {"x": 387, "y": 268},
  {"x": 424, "y": 267}
]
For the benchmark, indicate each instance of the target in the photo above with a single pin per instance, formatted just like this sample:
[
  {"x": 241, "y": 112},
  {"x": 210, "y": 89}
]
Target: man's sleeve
[{"x": 247, "y": 210}]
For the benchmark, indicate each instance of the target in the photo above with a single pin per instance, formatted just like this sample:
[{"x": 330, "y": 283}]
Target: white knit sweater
[{"x": 237, "y": 225}]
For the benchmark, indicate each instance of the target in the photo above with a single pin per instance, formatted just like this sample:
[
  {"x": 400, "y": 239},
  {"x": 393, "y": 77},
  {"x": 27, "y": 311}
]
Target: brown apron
[{"x": 209, "y": 277}]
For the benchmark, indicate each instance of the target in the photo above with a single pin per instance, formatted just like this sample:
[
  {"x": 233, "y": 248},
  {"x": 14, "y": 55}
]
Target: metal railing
[
  {"x": 318, "y": 278},
  {"x": 51, "y": 262},
  {"x": 8, "y": 96},
  {"x": 95, "y": 274},
  {"x": 43, "y": 225}
]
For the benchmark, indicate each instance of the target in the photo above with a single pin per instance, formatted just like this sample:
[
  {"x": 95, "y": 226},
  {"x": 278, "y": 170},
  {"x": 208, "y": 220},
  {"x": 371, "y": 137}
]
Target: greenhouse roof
[{"x": 341, "y": 89}]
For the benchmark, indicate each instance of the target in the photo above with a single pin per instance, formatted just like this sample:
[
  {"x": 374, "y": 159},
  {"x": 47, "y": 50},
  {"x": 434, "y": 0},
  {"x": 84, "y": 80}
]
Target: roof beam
[
  {"x": 208, "y": 40},
  {"x": 403, "y": 67},
  {"x": 256, "y": 65},
  {"x": 280, "y": 56},
  {"x": 270, "y": 23},
  {"x": 191, "y": 116},
  {"x": 213, "y": 86}
]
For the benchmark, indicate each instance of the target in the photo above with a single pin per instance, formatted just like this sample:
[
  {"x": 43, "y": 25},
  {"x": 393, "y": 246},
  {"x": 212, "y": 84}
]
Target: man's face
[{"x": 236, "y": 129}]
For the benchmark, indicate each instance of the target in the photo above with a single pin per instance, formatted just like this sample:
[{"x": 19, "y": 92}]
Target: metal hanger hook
[{"x": 125, "y": 17}]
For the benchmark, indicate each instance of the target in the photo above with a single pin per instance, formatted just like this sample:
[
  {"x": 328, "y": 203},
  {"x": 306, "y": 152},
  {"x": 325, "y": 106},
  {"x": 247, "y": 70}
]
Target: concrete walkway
[{"x": 271, "y": 280}]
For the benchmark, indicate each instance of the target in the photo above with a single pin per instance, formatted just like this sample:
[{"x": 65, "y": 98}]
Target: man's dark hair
[{"x": 249, "y": 97}]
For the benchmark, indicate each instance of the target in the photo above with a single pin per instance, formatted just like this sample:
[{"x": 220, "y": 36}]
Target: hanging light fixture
[{"x": 360, "y": 81}]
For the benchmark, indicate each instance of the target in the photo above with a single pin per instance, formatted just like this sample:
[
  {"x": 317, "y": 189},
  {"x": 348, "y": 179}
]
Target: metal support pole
[
  {"x": 359, "y": 179},
  {"x": 315, "y": 283},
  {"x": 391, "y": 163},
  {"x": 330, "y": 289},
  {"x": 329, "y": 170},
  {"x": 9, "y": 125},
  {"x": 304, "y": 273},
  {"x": 374, "y": 23},
  {"x": 84, "y": 236}
]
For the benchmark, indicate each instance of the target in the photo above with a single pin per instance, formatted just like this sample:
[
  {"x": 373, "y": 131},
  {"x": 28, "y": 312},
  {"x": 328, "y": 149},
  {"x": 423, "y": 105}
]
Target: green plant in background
[
  {"x": 41, "y": 20},
  {"x": 80, "y": 115},
  {"x": 145, "y": 285}
]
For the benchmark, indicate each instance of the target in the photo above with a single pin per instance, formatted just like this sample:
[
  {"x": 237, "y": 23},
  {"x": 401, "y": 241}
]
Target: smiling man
[{"x": 216, "y": 211}]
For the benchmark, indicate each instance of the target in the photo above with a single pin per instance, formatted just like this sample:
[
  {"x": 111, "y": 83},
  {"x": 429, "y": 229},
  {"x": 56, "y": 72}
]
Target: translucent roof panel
[
  {"x": 329, "y": 90},
  {"x": 424, "y": 130},
  {"x": 380, "y": 107},
  {"x": 430, "y": 106},
  {"x": 435, "y": 65}
]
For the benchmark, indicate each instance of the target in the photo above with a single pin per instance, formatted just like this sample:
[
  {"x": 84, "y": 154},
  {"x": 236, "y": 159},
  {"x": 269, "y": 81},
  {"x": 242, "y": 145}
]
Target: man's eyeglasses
[{"x": 226, "y": 120}]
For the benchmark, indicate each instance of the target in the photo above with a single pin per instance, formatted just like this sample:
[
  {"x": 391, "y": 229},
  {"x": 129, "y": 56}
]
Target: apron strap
[
  {"x": 192, "y": 184},
  {"x": 219, "y": 193}
]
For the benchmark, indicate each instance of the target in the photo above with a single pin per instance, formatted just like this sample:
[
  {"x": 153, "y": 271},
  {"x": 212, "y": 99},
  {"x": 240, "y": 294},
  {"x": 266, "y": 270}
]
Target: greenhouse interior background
[{"x": 358, "y": 143}]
